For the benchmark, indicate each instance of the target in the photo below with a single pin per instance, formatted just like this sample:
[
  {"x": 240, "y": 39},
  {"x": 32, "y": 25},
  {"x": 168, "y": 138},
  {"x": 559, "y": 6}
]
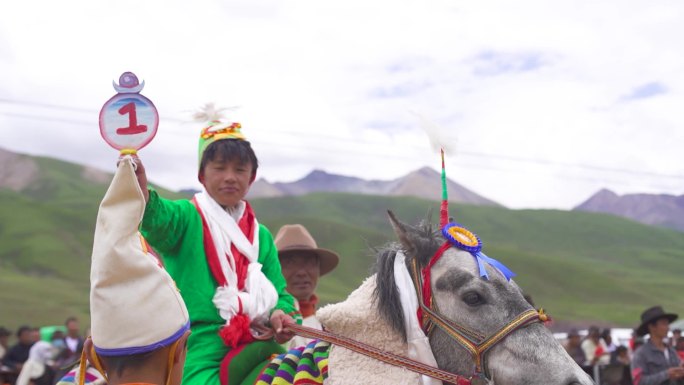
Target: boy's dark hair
[
  {"x": 118, "y": 364},
  {"x": 229, "y": 150},
  {"x": 66, "y": 323}
]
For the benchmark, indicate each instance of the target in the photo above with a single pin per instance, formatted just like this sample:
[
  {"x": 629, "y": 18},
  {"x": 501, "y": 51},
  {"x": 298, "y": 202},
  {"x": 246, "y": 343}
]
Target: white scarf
[
  {"x": 418, "y": 343},
  {"x": 40, "y": 353},
  {"x": 259, "y": 295}
]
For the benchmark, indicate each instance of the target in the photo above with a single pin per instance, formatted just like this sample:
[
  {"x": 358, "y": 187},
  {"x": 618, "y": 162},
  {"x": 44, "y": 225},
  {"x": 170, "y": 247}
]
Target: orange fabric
[{"x": 308, "y": 308}]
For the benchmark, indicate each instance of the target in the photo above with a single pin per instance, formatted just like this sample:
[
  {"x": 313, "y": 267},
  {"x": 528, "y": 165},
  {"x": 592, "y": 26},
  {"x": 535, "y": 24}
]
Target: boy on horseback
[{"x": 224, "y": 262}]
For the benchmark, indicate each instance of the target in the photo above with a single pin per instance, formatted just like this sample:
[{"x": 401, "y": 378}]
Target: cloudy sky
[{"x": 545, "y": 102}]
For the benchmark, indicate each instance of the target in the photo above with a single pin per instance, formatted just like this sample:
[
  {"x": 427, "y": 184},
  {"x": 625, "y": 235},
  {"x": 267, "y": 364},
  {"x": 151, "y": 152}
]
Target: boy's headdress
[{"x": 215, "y": 127}]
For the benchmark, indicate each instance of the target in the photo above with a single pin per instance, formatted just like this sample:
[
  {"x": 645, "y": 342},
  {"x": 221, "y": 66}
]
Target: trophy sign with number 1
[{"x": 128, "y": 121}]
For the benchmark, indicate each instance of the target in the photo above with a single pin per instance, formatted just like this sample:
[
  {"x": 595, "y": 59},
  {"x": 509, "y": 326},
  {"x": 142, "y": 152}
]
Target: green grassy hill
[{"x": 579, "y": 266}]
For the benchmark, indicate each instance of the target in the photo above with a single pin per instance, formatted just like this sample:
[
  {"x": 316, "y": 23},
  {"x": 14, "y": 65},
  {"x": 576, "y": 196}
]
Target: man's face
[
  {"x": 594, "y": 335},
  {"x": 227, "y": 181},
  {"x": 3, "y": 340},
  {"x": 301, "y": 271},
  {"x": 26, "y": 337},
  {"x": 72, "y": 328},
  {"x": 660, "y": 328},
  {"x": 574, "y": 341},
  {"x": 35, "y": 335}
]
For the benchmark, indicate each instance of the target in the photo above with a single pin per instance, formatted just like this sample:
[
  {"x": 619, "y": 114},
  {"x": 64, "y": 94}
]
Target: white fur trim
[
  {"x": 358, "y": 318},
  {"x": 418, "y": 343}
]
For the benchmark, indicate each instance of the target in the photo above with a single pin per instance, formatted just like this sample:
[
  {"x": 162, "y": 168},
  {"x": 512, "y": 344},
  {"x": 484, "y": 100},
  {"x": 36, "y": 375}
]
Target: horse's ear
[{"x": 402, "y": 234}]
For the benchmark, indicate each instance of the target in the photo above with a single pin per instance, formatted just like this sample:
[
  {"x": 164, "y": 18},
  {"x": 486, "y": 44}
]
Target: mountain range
[
  {"x": 651, "y": 209},
  {"x": 422, "y": 183}
]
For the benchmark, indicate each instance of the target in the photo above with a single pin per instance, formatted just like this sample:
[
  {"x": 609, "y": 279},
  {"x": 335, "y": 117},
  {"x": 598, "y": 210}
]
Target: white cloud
[{"x": 530, "y": 90}]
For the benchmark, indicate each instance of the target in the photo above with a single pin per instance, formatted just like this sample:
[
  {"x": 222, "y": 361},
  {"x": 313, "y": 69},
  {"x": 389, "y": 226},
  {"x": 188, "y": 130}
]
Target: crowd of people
[
  {"x": 656, "y": 360},
  {"x": 31, "y": 360}
]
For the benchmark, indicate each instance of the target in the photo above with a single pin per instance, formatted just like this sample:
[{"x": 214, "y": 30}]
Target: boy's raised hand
[{"x": 140, "y": 175}]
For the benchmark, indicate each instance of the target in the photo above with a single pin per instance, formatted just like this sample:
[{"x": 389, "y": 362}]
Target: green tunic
[{"x": 174, "y": 229}]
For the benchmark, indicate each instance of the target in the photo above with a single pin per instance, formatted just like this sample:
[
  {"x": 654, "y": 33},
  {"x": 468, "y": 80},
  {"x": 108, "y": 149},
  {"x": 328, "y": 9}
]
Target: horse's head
[{"x": 483, "y": 307}]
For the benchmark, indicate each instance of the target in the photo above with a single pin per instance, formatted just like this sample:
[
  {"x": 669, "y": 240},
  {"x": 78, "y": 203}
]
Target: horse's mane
[{"x": 425, "y": 241}]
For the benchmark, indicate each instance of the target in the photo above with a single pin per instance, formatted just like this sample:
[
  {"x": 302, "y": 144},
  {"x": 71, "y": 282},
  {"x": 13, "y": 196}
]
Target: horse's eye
[{"x": 472, "y": 298}]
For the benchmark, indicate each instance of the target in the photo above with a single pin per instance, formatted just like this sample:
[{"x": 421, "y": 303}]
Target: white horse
[{"x": 482, "y": 309}]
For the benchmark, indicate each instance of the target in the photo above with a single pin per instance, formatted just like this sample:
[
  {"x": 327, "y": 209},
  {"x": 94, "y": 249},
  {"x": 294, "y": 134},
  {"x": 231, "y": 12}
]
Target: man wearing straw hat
[
  {"x": 655, "y": 363},
  {"x": 303, "y": 262}
]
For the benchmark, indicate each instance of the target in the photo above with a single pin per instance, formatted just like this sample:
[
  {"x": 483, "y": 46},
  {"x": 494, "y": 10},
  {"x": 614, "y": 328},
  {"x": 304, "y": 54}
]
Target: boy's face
[{"x": 227, "y": 181}]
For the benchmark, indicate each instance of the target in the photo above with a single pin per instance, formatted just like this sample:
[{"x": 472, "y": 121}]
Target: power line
[{"x": 476, "y": 154}]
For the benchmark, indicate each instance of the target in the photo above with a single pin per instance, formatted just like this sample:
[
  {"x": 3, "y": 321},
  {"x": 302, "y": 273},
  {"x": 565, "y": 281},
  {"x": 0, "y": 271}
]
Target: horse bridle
[{"x": 475, "y": 343}]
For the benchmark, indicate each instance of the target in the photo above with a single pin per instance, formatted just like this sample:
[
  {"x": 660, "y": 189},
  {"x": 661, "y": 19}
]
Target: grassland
[{"x": 579, "y": 266}]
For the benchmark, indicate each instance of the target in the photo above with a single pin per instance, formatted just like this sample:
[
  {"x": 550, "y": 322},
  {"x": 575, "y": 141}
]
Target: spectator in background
[
  {"x": 35, "y": 335},
  {"x": 19, "y": 353},
  {"x": 680, "y": 348},
  {"x": 73, "y": 340},
  {"x": 4, "y": 340},
  {"x": 676, "y": 335},
  {"x": 620, "y": 356},
  {"x": 656, "y": 363},
  {"x": 595, "y": 349},
  {"x": 574, "y": 348},
  {"x": 302, "y": 263},
  {"x": 37, "y": 370},
  {"x": 608, "y": 341},
  {"x": 58, "y": 345}
]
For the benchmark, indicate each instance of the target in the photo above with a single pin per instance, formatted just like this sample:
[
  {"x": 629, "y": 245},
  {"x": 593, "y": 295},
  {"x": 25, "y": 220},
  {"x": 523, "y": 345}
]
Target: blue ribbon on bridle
[
  {"x": 480, "y": 257},
  {"x": 475, "y": 249}
]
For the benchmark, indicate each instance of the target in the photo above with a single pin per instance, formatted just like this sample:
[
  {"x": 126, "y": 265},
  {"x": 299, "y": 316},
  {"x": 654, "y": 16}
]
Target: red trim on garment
[
  {"x": 246, "y": 225},
  {"x": 225, "y": 363}
]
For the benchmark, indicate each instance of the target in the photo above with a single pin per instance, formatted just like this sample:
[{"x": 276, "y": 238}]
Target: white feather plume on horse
[{"x": 438, "y": 135}]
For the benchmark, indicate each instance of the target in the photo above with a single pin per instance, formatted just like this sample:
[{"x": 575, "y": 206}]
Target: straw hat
[
  {"x": 295, "y": 238},
  {"x": 651, "y": 315}
]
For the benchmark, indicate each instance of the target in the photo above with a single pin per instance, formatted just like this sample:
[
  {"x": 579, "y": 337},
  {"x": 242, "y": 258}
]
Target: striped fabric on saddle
[{"x": 304, "y": 365}]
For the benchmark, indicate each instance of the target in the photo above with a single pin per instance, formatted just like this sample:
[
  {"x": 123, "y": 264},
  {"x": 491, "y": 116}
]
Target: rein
[{"x": 378, "y": 354}]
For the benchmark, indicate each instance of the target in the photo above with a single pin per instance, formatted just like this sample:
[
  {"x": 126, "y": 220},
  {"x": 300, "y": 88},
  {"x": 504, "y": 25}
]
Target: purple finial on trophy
[{"x": 128, "y": 84}]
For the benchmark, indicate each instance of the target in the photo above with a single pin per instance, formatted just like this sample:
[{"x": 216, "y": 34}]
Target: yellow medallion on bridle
[{"x": 464, "y": 236}]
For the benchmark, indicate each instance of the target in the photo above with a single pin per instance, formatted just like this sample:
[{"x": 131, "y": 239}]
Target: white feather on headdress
[
  {"x": 436, "y": 134},
  {"x": 209, "y": 113}
]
